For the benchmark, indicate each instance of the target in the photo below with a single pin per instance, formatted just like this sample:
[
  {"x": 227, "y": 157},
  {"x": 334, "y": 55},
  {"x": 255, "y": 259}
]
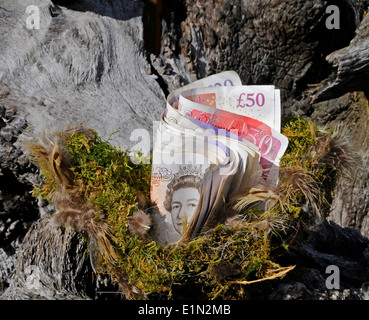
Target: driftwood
[
  {"x": 352, "y": 63},
  {"x": 279, "y": 42},
  {"x": 350, "y": 203},
  {"x": 18, "y": 209},
  {"x": 52, "y": 264},
  {"x": 338, "y": 101},
  {"x": 327, "y": 245},
  {"x": 87, "y": 63}
]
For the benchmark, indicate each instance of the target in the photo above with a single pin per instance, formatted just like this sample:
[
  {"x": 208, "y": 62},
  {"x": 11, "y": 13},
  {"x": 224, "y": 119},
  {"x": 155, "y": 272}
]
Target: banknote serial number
[{"x": 250, "y": 100}]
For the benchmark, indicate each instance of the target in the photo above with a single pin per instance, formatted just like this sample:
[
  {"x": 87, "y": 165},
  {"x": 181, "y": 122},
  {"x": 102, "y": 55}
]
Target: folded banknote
[{"x": 216, "y": 139}]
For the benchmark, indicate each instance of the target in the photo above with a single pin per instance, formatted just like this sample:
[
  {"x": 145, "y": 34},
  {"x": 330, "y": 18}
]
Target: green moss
[
  {"x": 109, "y": 178},
  {"x": 111, "y": 182},
  {"x": 307, "y": 143}
]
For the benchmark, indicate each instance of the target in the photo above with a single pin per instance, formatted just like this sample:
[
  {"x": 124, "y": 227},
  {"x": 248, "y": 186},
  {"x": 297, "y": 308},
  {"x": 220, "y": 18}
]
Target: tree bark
[
  {"x": 267, "y": 42},
  {"x": 352, "y": 63}
]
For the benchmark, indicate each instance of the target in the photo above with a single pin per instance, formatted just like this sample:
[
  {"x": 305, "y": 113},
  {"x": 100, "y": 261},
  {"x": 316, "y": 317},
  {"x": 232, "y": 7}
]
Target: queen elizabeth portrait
[{"x": 181, "y": 200}]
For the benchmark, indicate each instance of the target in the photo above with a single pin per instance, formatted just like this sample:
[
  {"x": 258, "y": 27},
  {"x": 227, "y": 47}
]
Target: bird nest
[{"x": 97, "y": 190}]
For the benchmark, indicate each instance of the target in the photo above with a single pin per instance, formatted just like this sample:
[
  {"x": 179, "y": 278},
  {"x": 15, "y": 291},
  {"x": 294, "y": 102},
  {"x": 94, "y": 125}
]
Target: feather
[
  {"x": 254, "y": 196},
  {"x": 50, "y": 155},
  {"x": 338, "y": 151},
  {"x": 139, "y": 223}
]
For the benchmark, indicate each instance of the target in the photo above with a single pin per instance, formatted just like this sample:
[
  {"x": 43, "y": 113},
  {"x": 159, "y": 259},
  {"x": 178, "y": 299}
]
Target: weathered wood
[
  {"x": 267, "y": 42},
  {"x": 329, "y": 244},
  {"x": 52, "y": 264},
  {"x": 18, "y": 209},
  {"x": 350, "y": 204},
  {"x": 80, "y": 66},
  {"x": 335, "y": 104},
  {"x": 87, "y": 64}
]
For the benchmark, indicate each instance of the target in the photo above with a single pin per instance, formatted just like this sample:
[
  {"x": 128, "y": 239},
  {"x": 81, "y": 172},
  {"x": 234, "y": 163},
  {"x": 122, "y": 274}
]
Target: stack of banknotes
[{"x": 216, "y": 139}]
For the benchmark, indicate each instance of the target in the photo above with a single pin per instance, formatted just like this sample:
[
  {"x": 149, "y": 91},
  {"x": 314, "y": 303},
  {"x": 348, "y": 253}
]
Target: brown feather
[
  {"x": 50, "y": 155},
  {"x": 139, "y": 223}
]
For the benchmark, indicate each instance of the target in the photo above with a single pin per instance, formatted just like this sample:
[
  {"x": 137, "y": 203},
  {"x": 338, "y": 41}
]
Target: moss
[
  {"x": 112, "y": 183},
  {"x": 305, "y": 154}
]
